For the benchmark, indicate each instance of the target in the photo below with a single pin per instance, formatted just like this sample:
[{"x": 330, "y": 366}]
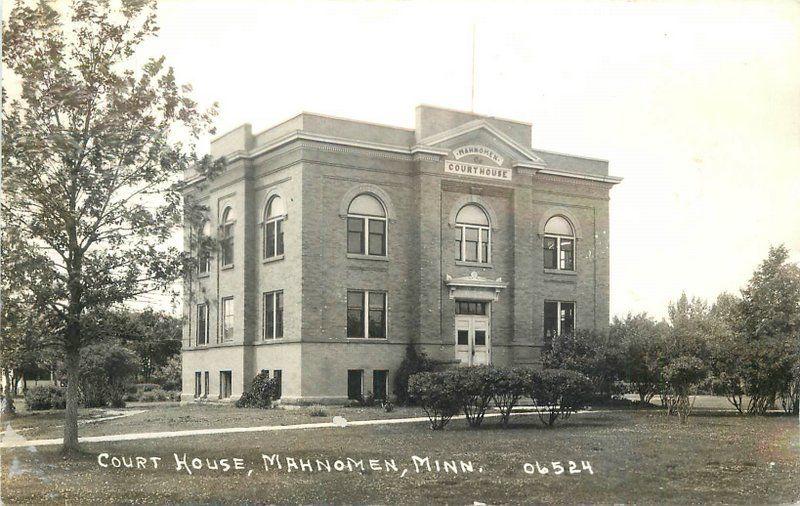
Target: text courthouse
[{"x": 341, "y": 242}]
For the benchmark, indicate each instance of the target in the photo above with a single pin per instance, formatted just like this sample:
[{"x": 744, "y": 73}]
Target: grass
[{"x": 637, "y": 456}]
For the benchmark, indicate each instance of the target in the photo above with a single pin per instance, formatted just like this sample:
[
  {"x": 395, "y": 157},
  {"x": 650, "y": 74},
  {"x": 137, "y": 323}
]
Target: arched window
[
  {"x": 559, "y": 244},
  {"x": 366, "y": 226},
  {"x": 226, "y": 236},
  {"x": 203, "y": 254},
  {"x": 472, "y": 234},
  {"x": 273, "y": 228}
]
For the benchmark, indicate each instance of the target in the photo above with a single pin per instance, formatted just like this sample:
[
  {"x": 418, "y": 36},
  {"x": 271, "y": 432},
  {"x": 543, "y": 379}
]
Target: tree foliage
[
  {"x": 558, "y": 393},
  {"x": 642, "y": 342},
  {"x": 94, "y": 147},
  {"x": 594, "y": 354},
  {"x": 105, "y": 370}
]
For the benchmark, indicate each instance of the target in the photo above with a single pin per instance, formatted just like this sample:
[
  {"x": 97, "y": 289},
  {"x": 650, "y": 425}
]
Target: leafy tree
[
  {"x": 169, "y": 375},
  {"x": 105, "y": 370},
  {"x": 770, "y": 322},
  {"x": 93, "y": 152},
  {"x": 727, "y": 349},
  {"x": 438, "y": 395},
  {"x": 155, "y": 337},
  {"x": 510, "y": 386},
  {"x": 557, "y": 393},
  {"x": 476, "y": 386},
  {"x": 682, "y": 376},
  {"x": 641, "y": 340},
  {"x": 594, "y": 354}
]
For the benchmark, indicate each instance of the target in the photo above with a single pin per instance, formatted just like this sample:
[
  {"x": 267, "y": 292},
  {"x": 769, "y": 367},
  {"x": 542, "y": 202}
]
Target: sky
[{"x": 695, "y": 104}]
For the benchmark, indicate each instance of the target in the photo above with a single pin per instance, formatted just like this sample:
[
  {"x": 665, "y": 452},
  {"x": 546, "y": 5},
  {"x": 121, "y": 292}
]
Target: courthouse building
[{"x": 342, "y": 242}]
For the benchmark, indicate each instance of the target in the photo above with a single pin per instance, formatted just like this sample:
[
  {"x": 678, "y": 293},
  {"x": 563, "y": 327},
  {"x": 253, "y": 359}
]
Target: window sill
[
  {"x": 367, "y": 339},
  {"x": 474, "y": 264},
  {"x": 275, "y": 340},
  {"x": 204, "y": 275},
  {"x": 560, "y": 272},
  {"x": 275, "y": 258},
  {"x": 378, "y": 258},
  {"x": 226, "y": 267}
]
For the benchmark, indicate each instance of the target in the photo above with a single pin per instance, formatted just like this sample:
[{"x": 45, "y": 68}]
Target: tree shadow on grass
[{"x": 735, "y": 414}]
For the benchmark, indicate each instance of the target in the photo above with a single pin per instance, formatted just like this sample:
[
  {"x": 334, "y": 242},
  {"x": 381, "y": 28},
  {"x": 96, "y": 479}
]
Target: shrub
[
  {"x": 104, "y": 371},
  {"x": 681, "y": 376},
  {"x": 261, "y": 393},
  {"x": 368, "y": 400},
  {"x": 557, "y": 393},
  {"x": 318, "y": 412},
  {"x": 596, "y": 355},
  {"x": 475, "y": 386},
  {"x": 157, "y": 395},
  {"x": 510, "y": 385},
  {"x": 414, "y": 362},
  {"x": 45, "y": 397},
  {"x": 168, "y": 376},
  {"x": 388, "y": 406},
  {"x": 436, "y": 392}
]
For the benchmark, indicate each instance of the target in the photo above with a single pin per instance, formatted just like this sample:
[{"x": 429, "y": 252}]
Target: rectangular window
[
  {"x": 273, "y": 315},
  {"x": 550, "y": 253},
  {"x": 559, "y": 318},
  {"x": 202, "y": 324},
  {"x": 559, "y": 253},
  {"x": 225, "y": 383},
  {"x": 226, "y": 311},
  {"x": 207, "y": 384},
  {"x": 203, "y": 263},
  {"x": 279, "y": 238},
  {"x": 278, "y": 375},
  {"x": 354, "y": 381},
  {"x": 197, "y": 385},
  {"x": 355, "y": 236},
  {"x": 377, "y": 237},
  {"x": 458, "y": 233},
  {"x": 226, "y": 245},
  {"x": 471, "y": 244},
  {"x": 480, "y": 338},
  {"x": 269, "y": 246},
  {"x": 463, "y": 337},
  {"x": 567, "y": 258},
  {"x": 470, "y": 307},
  {"x": 379, "y": 383},
  {"x": 567, "y": 318},
  {"x": 366, "y": 314},
  {"x": 484, "y": 237},
  {"x": 355, "y": 314},
  {"x": 377, "y": 314},
  {"x": 550, "y": 320}
]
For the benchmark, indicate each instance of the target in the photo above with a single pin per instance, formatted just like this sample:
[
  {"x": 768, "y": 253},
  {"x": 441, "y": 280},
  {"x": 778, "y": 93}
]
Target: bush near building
[
  {"x": 557, "y": 393},
  {"x": 45, "y": 397},
  {"x": 261, "y": 393},
  {"x": 437, "y": 394},
  {"x": 414, "y": 362},
  {"x": 510, "y": 386}
]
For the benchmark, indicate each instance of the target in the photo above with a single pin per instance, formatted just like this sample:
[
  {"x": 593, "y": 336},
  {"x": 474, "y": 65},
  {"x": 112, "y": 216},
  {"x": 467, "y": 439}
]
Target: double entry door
[{"x": 473, "y": 337}]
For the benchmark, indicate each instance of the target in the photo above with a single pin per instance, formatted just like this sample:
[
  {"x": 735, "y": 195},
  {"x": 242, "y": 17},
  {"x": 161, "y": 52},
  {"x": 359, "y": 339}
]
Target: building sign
[
  {"x": 472, "y": 169},
  {"x": 483, "y": 151}
]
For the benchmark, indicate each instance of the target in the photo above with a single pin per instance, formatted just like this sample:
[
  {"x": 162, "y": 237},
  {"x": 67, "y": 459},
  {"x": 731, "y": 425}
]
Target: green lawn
[{"x": 636, "y": 456}]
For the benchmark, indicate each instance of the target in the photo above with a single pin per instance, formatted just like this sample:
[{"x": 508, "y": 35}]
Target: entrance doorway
[{"x": 473, "y": 336}]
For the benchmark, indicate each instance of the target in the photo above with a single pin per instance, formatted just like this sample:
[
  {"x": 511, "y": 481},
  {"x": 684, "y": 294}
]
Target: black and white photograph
[{"x": 400, "y": 252}]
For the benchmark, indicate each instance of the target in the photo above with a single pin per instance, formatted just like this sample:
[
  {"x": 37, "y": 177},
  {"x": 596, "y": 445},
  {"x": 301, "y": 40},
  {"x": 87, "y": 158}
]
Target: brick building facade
[{"x": 341, "y": 242}]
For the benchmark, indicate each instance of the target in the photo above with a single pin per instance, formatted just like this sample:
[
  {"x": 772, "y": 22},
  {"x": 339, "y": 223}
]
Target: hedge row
[{"x": 556, "y": 393}]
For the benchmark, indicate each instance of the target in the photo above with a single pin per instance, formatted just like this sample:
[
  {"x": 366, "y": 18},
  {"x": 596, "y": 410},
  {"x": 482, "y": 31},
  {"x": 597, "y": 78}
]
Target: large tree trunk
[
  {"x": 8, "y": 406},
  {"x": 71, "y": 415}
]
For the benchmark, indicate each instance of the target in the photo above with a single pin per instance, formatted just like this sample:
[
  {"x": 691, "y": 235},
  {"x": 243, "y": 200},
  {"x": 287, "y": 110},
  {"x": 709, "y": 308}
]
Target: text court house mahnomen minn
[{"x": 341, "y": 242}]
